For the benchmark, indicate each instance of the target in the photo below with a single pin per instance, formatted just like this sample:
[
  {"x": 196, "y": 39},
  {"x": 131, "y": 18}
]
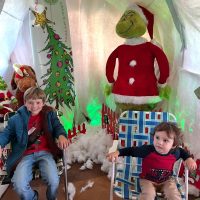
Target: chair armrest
[
  {"x": 114, "y": 146},
  {"x": 186, "y": 182},
  {"x": 113, "y": 149}
]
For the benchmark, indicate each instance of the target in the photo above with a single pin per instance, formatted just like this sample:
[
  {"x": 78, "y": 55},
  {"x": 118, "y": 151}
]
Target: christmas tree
[{"x": 59, "y": 80}]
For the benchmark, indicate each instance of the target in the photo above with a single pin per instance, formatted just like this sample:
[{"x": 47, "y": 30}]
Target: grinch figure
[
  {"x": 8, "y": 102},
  {"x": 137, "y": 86}
]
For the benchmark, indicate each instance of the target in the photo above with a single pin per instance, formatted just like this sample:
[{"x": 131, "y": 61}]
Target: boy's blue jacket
[{"x": 17, "y": 134}]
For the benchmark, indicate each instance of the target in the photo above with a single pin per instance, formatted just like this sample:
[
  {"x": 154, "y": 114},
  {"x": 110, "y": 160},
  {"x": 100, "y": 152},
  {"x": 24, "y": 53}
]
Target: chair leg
[
  {"x": 112, "y": 180},
  {"x": 65, "y": 172},
  {"x": 186, "y": 183}
]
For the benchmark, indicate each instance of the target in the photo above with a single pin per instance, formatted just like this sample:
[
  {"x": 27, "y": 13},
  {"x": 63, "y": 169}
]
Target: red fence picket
[
  {"x": 110, "y": 121},
  {"x": 81, "y": 129}
]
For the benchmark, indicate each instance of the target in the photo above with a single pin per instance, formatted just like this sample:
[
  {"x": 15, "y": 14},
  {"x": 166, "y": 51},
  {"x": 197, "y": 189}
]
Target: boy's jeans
[{"x": 23, "y": 175}]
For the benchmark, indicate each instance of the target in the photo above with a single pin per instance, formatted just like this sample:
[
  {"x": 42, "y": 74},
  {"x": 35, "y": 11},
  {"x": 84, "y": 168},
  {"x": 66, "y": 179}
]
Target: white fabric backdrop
[
  {"x": 11, "y": 20},
  {"x": 186, "y": 105}
]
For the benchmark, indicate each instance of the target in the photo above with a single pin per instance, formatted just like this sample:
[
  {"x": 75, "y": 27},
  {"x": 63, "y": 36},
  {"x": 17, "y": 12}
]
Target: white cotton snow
[
  {"x": 71, "y": 191},
  {"x": 90, "y": 148}
]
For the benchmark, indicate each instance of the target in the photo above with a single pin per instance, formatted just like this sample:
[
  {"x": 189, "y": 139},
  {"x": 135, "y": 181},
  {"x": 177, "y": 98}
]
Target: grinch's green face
[
  {"x": 3, "y": 84},
  {"x": 131, "y": 25}
]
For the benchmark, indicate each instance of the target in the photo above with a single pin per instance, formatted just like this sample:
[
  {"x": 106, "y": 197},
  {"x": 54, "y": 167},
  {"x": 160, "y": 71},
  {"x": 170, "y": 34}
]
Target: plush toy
[
  {"x": 195, "y": 176},
  {"x": 8, "y": 102},
  {"x": 23, "y": 78},
  {"x": 137, "y": 85}
]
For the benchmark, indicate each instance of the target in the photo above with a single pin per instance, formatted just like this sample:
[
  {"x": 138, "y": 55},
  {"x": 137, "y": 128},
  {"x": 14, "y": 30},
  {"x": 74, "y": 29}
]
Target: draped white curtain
[
  {"x": 186, "y": 104},
  {"x": 12, "y": 19},
  {"x": 93, "y": 38}
]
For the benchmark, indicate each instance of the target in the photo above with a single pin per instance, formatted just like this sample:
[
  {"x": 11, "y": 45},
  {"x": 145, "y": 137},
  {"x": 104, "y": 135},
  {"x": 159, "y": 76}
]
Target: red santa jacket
[{"x": 136, "y": 81}]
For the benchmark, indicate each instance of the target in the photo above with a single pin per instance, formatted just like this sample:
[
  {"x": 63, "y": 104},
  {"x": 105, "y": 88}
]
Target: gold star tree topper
[{"x": 40, "y": 18}]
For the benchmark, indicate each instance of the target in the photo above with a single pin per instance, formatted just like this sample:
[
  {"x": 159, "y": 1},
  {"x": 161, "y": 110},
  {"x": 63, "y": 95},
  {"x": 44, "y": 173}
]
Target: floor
[{"x": 99, "y": 191}]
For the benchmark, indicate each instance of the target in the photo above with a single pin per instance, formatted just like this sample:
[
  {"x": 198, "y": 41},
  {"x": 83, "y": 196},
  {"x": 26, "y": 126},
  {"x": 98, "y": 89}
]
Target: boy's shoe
[{"x": 36, "y": 195}]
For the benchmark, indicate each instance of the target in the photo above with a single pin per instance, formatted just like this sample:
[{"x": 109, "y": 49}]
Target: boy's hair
[
  {"x": 171, "y": 128},
  {"x": 34, "y": 93}
]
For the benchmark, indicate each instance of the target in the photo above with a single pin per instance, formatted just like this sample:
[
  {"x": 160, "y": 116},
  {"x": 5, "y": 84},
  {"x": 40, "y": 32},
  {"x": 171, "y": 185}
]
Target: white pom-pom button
[
  {"x": 131, "y": 81},
  {"x": 132, "y": 63}
]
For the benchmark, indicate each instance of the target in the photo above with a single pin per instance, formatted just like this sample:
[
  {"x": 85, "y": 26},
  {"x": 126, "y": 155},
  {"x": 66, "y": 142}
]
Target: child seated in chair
[
  {"x": 32, "y": 132},
  {"x": 158, "y": 161}
]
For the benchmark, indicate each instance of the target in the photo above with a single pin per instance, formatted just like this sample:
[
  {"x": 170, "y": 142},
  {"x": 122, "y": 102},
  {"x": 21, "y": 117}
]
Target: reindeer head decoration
[{"x": 23, "y": 78}]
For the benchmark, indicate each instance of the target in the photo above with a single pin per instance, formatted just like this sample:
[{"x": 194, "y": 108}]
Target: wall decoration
[{"x": 58, "y": 79}]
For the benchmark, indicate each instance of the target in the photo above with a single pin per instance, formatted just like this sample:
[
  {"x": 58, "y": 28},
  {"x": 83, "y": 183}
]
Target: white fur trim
[
  {"x": 162, "y": 85},
  {"x": 135, "y": 41},
  {"x": 131, "y": 81},
  {"x": 5, "y": 102},
  {"x": 137, "y": 100},
  {"x": 4, "y": 92},
  {"x": 133, "y": 63}
]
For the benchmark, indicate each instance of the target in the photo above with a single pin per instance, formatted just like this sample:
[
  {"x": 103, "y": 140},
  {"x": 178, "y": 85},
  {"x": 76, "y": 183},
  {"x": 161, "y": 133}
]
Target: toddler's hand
[
  {"x": 191, "y": 164},
  {"x": 113, "y": 156},
  {"x": 1, "y": 150}
]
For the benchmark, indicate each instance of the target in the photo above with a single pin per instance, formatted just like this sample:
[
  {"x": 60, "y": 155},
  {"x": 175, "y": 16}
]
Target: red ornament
[
  {"x": 49, "y": 55},
  {"x": 59, "y": 63},
  {"x": 56, "y": 36}
]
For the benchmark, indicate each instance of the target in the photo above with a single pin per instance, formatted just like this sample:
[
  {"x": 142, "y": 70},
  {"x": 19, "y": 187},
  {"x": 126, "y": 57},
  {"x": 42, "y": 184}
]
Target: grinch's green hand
[
  {"x": 14, "y": 101},
  {"x": 108, "y": 89},
  {"x": 165, "y": 92}
]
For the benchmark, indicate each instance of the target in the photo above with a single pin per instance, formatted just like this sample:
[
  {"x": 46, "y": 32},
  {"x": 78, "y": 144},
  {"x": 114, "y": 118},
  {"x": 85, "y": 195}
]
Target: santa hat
[{"x": 146, "y": 15}]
